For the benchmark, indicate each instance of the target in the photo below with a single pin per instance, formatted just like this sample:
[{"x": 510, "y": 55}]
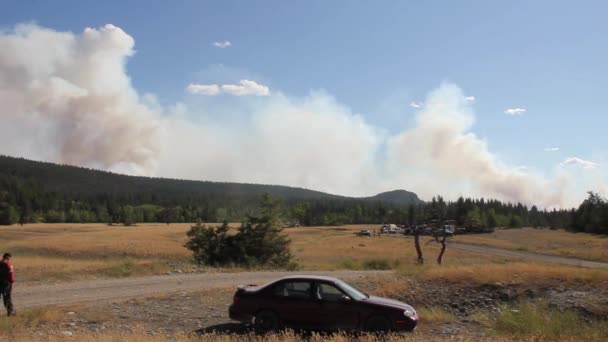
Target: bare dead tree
[
  {"x": 417, "y": 245},
  {"x": 440, "y": 236},
  {"x": 442, "y": 241}
]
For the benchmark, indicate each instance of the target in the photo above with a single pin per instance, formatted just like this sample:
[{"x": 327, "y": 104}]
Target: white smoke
[
  {"x": 312, "y": 142},
  {"x": 67, "y": 98},
  {"x": 440, "y": 155}
]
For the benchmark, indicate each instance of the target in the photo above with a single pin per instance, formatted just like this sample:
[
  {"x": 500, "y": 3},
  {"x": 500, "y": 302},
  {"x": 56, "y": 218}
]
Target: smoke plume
[{"x": 67, "y": 98}]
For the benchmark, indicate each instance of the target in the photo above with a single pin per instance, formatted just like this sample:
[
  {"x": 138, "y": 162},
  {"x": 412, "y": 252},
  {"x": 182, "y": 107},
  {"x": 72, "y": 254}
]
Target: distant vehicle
[
  {"x": 446, "y": 230},
  {"x": 424, "y": 230},
  {"x": 390, "y": 229},
  {"x": 364, "y": 232},
  {"x": 318, "y": 303}
]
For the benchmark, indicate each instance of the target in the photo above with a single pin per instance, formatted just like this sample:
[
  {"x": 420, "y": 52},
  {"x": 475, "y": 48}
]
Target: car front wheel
[{"x": 265, "y": 321}]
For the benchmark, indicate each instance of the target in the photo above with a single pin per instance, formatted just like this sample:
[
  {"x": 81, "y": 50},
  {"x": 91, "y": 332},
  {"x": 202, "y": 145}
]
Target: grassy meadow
[
  {"x": 79, "y": 251},
  {"x": 545, "y": 241},
  {"x": 63, "y": 252}
]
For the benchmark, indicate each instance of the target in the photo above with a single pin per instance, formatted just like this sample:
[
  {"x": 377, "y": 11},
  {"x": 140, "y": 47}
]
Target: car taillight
[{"x": 236, "y": 299}]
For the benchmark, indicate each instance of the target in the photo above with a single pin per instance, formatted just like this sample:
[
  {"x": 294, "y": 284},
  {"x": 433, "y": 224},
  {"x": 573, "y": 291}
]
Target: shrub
[
  {"x": 377, "y": 264},
  {"x": 258, "y": 242}
]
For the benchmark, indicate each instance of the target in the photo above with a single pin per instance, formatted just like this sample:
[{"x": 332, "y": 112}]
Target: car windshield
[{"x": 351, "y": 291}]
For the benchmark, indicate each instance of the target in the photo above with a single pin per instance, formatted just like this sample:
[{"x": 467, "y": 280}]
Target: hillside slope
[{"x": 87, "y": 182}]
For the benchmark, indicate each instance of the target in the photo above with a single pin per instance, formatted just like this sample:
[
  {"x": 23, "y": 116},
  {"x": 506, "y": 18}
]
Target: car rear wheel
[
  {"x": 265, "y": 321},
  {"x": 378, "y": 324}
]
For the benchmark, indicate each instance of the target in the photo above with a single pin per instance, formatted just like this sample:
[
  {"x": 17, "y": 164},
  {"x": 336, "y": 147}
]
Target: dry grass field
[
  {"x": 61, "y": 252},
  {"x": 554, "y": 242},
  {"x": 79, "y": 251}
]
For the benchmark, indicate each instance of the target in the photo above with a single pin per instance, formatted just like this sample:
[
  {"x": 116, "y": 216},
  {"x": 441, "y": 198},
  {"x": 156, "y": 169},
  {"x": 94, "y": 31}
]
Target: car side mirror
[{"x": 345, "y": 299}]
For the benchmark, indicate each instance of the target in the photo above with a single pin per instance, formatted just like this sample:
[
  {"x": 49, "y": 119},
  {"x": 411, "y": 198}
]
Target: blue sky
[{"x": 375, "y": 58}]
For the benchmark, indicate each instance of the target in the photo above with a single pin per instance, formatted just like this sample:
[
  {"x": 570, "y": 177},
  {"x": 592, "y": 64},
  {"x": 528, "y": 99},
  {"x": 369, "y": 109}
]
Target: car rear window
[{"x": 293, "y": 289}]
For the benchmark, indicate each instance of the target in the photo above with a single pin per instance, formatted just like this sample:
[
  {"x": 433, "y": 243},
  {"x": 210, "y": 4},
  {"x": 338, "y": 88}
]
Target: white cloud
[
  {"x": 516, "y": 111},
  {"x": 585, "y": 164},
  {"x": 470, "y": 98},
  {"x": 204, "y": 89},
  {"x": 246, "y": 87},
  {"x": 222, "y": 45},
  {"x": 415, "y": 104},
  {"x": 552, "y": 149}
]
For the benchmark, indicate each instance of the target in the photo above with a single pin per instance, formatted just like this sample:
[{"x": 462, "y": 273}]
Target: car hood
[{"x": 387, "y": 302}]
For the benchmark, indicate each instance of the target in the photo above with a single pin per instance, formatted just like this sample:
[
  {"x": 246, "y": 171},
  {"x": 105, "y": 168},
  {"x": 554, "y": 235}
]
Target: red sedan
[{"x": 318, "y": 303}]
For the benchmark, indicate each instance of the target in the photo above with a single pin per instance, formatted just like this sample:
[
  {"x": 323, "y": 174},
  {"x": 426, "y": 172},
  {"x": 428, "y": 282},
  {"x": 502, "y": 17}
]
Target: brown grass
[
  {"x": 324, "y": 248},
  {"x": 553, "y": 242},
  {"x": 77, "y": 251},
  {"x": 515, "y": 273},
  {"x": 139, "y": 335}
]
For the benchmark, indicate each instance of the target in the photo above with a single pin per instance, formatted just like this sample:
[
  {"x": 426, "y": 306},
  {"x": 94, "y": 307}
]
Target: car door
[
  {"x": 294, "y": 303},
  {"x": 338, "y": 311}
]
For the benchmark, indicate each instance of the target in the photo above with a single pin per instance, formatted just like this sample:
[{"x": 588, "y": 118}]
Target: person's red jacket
[{"x": 11, "y": 273}]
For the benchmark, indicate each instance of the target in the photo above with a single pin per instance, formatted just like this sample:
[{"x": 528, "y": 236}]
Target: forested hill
[
  {"x": 31, "y": 187},
  {"x": 79, "y": 180}
]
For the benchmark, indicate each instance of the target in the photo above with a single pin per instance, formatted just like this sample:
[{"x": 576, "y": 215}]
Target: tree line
[{"x": 44, "y": 192}]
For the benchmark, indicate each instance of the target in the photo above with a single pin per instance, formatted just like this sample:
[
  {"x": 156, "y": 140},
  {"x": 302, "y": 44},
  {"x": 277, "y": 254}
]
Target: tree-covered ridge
[
  {"x": 37, "y": 191},
  {"x": 44, "y": 192}
]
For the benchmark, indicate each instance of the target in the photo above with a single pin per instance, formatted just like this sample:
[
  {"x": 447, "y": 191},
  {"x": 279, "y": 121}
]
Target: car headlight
[{"x": 409, "y": 313}]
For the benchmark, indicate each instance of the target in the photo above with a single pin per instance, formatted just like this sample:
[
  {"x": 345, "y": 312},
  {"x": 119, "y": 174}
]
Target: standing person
[{"x": 7, "y": 278}]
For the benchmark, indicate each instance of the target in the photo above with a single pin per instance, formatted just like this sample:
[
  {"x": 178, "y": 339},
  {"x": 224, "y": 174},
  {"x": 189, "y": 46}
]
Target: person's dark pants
[{"x": 5, "y": 292}]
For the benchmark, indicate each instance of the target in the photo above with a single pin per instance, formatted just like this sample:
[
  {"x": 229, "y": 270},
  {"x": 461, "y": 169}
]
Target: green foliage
[
  {"x": 210, "y": 246},
  {"x": 258, "y": 242},
  {"x": 8, "y": 215},
  {"x": 592, "y": 215},
  {"x": 377, "y": 264},
  {"x": 127, "y": 216},
  {"x": 124, "y": 268},
  {"x": 540, "y": 320},
  {"x": 491, "y": 221}
]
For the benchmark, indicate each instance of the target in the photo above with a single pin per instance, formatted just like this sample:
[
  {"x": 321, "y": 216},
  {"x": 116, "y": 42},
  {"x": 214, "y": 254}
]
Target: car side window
[
  {"x": 293, "y": 289},
  {"x": 328, "y": 293}
]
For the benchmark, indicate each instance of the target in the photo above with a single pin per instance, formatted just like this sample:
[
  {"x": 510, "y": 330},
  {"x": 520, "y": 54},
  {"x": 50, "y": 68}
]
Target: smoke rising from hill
[{"x": 67, "y": 98}]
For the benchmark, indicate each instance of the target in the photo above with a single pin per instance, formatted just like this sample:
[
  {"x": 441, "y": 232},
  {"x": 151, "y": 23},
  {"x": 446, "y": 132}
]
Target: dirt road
[
  {"x": 529, "y": 256},
  {"x": 122, "y": 289}
]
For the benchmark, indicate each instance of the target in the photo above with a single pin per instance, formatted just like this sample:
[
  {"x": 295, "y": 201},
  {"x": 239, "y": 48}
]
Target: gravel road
[
  {"x": 529, "y": 256},
  {"x": 122, "y": 289}
]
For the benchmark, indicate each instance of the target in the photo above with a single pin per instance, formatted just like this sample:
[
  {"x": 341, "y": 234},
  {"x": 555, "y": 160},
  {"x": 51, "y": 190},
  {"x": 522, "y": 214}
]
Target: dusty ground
[
  {"x": 528, "y": 256},
  {"x": 200, "y": 311},
  {"x": 127, "y": 288}
]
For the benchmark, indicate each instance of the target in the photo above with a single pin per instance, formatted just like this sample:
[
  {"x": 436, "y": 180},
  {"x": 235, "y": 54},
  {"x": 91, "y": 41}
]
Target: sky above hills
[{"x": 502, "y": 99}]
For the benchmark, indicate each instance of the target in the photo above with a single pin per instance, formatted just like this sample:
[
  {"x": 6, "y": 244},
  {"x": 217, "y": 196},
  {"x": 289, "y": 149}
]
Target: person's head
[{"x": 6, "y": 256}]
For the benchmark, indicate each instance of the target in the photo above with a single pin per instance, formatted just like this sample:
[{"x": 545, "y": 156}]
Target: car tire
[
  {"x": 378, "y": 324},
  {"x": 265, "y": 321}
]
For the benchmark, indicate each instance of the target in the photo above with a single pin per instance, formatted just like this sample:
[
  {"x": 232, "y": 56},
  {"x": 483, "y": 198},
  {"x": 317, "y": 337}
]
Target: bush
[
  {"x": 377, "y": 264},
  {"x": 258, "y": 242}
]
